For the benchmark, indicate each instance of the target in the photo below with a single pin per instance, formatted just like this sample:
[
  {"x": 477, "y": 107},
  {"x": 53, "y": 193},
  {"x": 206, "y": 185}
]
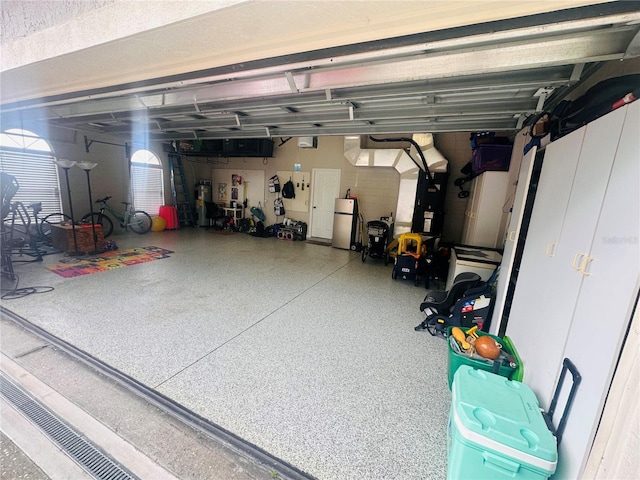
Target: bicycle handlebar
[{"x": 102, "y": 200}]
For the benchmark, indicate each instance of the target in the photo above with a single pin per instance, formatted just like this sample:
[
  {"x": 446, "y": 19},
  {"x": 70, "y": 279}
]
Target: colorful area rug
[{"x": 76, "y": 266}]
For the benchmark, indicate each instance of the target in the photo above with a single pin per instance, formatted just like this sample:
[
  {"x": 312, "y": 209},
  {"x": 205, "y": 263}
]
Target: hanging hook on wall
[{"x": 88, "y": 143}]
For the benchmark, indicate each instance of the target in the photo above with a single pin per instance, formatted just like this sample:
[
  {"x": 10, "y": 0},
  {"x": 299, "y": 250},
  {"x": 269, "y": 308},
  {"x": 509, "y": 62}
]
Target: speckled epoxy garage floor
[{"x": 300, "y": 349}]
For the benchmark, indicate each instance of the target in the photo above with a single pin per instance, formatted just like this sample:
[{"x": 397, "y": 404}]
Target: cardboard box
[{"x": 62, "y": 238}]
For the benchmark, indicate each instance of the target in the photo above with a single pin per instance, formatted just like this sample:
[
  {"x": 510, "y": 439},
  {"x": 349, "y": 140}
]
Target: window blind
[
  {"x": 148, "y": 188},
  {"x": 37, "y": 176}
]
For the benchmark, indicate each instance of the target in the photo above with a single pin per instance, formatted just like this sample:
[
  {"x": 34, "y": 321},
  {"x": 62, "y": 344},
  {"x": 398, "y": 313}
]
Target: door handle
[
  {"x": 551, "y": 249},
  {"x": 577, "y": 260},
  {"x": 585, "y": 264},
  {"x": 512, "y": 235}
]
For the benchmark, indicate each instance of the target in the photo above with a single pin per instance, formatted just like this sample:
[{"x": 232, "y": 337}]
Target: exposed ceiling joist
[{"x": 480, "y": 81}]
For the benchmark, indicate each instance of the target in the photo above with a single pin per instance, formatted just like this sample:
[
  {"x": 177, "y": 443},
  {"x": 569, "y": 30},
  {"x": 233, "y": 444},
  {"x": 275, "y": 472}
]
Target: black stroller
[{"x": 378, "y": 233}]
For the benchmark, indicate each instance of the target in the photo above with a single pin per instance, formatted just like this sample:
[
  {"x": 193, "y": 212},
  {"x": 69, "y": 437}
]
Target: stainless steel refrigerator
[{"x": 345, "y": 223}]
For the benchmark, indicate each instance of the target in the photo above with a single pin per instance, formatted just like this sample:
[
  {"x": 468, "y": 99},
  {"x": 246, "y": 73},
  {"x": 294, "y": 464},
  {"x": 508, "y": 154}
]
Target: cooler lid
[
  {"x": 478, "y": 255},
  {"x": 502, "y": 415}
]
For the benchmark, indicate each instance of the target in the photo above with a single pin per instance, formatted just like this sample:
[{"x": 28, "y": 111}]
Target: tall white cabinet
[
  {"x": 485, "y": 210},
  {"x": 579, "y": 275},
  {"x": 512, "y": 237}
]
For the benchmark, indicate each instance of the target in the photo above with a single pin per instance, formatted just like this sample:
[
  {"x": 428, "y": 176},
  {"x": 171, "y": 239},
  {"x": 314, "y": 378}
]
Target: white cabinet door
[
  {"x": 513, "y": 233},
  {"x": 577, "y": 302},
  {"x": 529, "y": 323},
  {"x": 486, "y": 209},
  {"x": 589, "y": 186},
  {"x": 609, "y": 289},
  {"x": 570, "y": 192},
  {"x": 469, "y": 226}
]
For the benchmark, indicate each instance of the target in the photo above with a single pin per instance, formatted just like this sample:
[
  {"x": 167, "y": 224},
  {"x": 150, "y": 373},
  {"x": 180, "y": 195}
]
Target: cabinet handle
[
  {"x": 512, "y": 235},
  {"x": 585, "y": 264},
  {"x": 551, "y": 249},
  {"x": 577, "y": 259}
]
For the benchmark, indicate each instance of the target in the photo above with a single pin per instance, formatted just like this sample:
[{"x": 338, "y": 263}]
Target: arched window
[
  {"x": 147, "y": 182},
  {"x": 30, "y": 159}
]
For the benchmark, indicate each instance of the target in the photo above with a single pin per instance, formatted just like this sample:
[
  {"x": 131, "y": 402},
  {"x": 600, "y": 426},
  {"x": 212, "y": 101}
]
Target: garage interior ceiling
[{"x": 489, "y": 76}]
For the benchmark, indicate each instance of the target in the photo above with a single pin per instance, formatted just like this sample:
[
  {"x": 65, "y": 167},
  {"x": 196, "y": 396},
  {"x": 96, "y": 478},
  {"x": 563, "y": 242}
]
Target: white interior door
[{"x": 325, "y": 189}]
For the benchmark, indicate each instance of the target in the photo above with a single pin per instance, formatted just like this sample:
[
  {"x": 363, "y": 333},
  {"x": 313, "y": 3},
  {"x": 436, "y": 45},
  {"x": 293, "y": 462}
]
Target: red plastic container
[{"x": 170, "y": 215}]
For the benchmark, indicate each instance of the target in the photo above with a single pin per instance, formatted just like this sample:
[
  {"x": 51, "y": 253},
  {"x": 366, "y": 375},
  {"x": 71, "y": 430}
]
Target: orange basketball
[{"x": 487, "y": 347}]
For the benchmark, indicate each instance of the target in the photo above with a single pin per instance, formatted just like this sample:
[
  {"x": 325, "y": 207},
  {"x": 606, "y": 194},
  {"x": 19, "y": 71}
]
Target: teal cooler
[{"x": 496, "y": 430}]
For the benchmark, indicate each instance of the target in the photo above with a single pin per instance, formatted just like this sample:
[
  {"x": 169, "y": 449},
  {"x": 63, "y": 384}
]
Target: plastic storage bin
[
  {"x": 507, "y": 369},
  {"x": 170, "y": 215},
  {"x": 518, "y": 374},
  {"x": 491, "y": 158},
  {"x": 496, "y": 430}
]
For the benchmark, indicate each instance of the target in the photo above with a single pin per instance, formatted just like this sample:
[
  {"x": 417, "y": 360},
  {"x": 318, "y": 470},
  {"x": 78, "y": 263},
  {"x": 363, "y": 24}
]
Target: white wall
[
  {"x": 376, "y": 188},
  {"x": 109, "y": 177}
]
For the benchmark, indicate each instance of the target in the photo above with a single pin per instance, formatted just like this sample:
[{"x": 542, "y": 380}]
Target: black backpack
[
  {"x": 258, "y": 230},
  {"x": 288, "y": 190}
]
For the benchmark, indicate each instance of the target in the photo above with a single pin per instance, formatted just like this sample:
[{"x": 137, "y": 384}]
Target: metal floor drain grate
[{"x": 82, "y": 451}]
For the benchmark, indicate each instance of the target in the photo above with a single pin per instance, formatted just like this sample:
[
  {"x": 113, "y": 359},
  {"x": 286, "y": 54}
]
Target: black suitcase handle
[{"x": 567, "y": 365}]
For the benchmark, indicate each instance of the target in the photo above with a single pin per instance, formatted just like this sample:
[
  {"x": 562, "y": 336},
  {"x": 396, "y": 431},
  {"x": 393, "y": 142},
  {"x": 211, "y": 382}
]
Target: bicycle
[
  {"x": 138, "y": 220},
  {"x": 26, "y": 236}
]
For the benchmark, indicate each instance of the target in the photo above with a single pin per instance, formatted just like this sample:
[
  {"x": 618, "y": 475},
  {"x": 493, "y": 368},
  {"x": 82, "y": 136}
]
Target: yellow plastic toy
[
  {"x": 411, "y": 243},
  {"x": 409, "y": 263}
]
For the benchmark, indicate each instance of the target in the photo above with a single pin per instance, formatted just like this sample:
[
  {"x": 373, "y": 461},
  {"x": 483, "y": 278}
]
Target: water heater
[{"x": 203, "y": 196}]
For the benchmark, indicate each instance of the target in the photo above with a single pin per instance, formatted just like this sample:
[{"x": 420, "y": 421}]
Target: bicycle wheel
[
  {"x": 44, "y": 228},
  {"x": 100, "y": 219},
  {"x": 140, "y": 222}
]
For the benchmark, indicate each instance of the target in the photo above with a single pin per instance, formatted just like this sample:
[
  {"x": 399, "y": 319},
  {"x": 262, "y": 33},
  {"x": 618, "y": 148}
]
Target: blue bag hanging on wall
[{"x": 258, "y": 213}]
